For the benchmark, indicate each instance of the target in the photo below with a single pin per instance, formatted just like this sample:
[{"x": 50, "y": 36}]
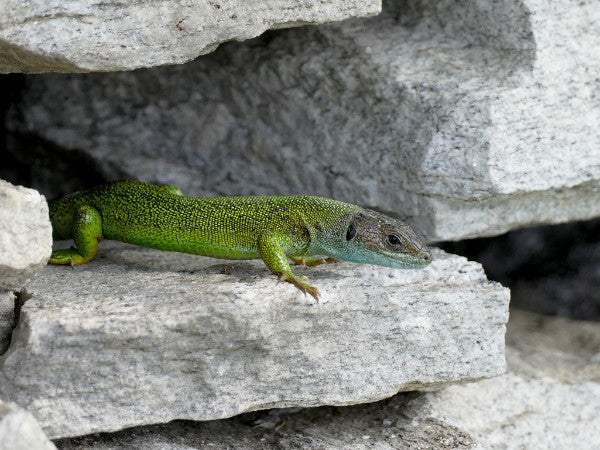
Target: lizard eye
[
  {"x": 351, "y": 232},
  {"x": 393, "y": 239}
]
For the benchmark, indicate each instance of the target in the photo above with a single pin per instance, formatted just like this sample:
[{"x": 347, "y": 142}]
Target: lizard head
[{"x": 370, "y": 237}]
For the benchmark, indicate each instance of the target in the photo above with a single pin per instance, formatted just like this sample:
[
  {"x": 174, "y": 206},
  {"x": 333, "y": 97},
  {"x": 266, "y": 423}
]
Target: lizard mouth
[
  {"x": 410, "y": 261},
  {"x": 414, "y": 260}
]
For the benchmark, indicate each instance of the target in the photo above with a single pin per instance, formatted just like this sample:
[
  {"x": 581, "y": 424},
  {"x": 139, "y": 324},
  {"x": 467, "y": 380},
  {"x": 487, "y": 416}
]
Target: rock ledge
[{"x": 140, "y": 336}]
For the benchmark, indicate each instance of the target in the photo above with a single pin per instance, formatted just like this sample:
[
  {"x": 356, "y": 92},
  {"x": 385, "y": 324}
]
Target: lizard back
[{"x": 225, "y": 227}]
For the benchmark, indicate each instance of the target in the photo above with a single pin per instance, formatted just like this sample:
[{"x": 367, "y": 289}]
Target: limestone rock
[
  {"x": 519, "y": 412},
  {"x": 547, "y": 347},
  {"x": 457, "y": 116},
  {"x": 20, "y": 431},
  {"x": 84, "y": 36},
  {"x": 25, "y": 235},
  {"x": 548, "y": 400},
  {"x": 140, "y": 336}
]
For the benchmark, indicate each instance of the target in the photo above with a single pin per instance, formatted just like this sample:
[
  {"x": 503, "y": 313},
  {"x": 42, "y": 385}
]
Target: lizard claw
[{"x": 301, "y": 283}]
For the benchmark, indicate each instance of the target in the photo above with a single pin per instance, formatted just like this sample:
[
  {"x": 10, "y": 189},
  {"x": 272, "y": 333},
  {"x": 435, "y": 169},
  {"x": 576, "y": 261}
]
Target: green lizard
[{"x": 253, "y": 227}]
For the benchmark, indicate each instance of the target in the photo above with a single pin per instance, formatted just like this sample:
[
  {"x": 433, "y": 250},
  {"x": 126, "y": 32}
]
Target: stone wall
[
  {"x": 455, "y": 116},
  {"x": 467, "y": 119}
]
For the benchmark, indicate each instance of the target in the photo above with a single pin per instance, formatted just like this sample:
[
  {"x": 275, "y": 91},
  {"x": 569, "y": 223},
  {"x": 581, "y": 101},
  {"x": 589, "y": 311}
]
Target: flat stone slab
[
  {"x": 86, "y": 35},
  {"x": 549, "y": 399},
  {"x": 140, "y": 336}
]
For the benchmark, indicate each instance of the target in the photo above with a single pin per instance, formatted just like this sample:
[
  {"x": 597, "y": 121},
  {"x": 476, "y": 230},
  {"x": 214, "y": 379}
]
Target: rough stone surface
[
  {"x": 515, "y": 412},
  {"x": 468, "y": 118},
  {"x": 548, "y": 400},
  {"x": 7, "y": 318},
  {"x": 551, "y": 398},
  {"x": 140, "y": 336},
  {"x": 546, "y": 347},
  {"x": 85, "y": 35},
  {"x": 25, "y": 235},
  {"x": 20, "y": 431}
]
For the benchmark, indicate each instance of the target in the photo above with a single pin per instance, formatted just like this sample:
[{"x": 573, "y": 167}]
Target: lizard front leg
[
  {"x": 272, "y": 254},
  {"x": 87, "y": 232}
]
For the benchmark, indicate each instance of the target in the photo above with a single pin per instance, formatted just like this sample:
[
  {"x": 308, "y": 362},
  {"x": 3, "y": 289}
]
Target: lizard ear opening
[{"x": 351, "y": 232}]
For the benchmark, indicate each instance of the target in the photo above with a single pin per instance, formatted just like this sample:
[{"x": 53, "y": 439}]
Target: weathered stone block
[
  {"x": 549, "y": 399},
  {"x": 139, "y": 336},
  {"x": 86, "y": 36},
  {"x": 25, "y": 235}
]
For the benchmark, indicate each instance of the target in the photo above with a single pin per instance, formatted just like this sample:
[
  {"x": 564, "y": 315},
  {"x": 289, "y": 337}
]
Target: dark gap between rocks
[
  {"x": 552, "y": 269},
  {"x": 20, "y": 298},
  {"x": 390, "y": 420},
  {"x": 27, "y": 160}
]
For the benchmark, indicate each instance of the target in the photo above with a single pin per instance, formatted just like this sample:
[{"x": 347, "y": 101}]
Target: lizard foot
[
  {"x": 301, "y": 283},
  {"x": 312, "y": 260},
  {"x": 67, "y": 257}
]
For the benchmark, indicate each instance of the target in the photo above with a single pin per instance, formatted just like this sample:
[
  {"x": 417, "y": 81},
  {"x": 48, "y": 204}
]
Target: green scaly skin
[{"x": 269, "y": 228}]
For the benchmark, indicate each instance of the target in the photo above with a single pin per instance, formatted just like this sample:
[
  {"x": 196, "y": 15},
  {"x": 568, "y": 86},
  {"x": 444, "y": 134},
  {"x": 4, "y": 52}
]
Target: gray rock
[
  {"x": 547, "y": 347},
  {"x": 7, "y": 318},
  {"x": 84, "y": 36},
  {"x": 454, "y": 115},
  {"x": 512, "y": 411},
  {"x": 139, "y": 336},
  {"x": 25, "y": 235},
  {"x": 20, "y": 431},
  {"x": 548, "y": 400}
]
